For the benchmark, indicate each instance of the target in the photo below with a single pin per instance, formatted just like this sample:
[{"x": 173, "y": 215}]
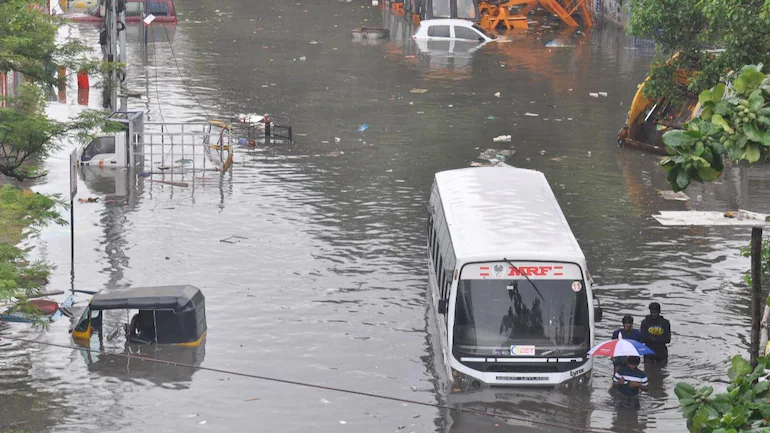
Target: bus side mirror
[
  {"x": 597, "y": 314},
  {"x": 443, "y": 306}
]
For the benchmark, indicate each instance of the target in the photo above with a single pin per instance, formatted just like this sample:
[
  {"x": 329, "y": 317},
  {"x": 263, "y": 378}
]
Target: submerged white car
[{"x": 452, "y": 29}]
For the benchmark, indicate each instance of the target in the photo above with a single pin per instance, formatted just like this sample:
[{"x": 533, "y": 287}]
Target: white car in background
[{"x": 452, "y": 30}]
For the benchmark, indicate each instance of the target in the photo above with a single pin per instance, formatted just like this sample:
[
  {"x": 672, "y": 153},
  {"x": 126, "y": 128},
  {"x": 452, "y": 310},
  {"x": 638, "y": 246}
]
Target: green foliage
[
  {"x": 734, "y": 122},
  {"x": 28, "y": 43},
  {"x": 27, "y": 135},
  {"x": 22, "y": 213},
  {"x": 739, "y": 28},
  {"x": 765, "y": 262},
  {"x": 744, "y": 407}
]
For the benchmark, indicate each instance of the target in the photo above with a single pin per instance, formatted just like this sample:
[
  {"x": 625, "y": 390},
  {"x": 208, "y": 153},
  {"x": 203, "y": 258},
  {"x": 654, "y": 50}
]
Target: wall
[{"x": 613, "y": 11}]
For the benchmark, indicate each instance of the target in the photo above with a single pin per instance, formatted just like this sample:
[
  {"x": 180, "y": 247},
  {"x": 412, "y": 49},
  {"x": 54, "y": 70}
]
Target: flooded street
[{"x": 323, "y": 272}]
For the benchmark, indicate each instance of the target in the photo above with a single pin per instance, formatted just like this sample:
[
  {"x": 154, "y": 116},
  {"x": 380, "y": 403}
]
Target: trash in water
[
  {"x": 337, "y": 139},
  {"x": 314, "y": 42},
  {"x": 531, "y": 114},
  {"x": 183, "y": 161},
  {"x": 201, "y": 422},
  {"x": 88, "y": 200},
  {"x": 559, "y": 44},
  {"x": 497, "y": 94},
  {"x": 234, "y": 239},
  {"x": 593, "y": 95},
  {"x": 491, "y": 117},
  {"x": 671, "y": 195},
  {"x": 502, "y": 138},
  {"x": 302, "y": 58},
  {"x": 603, "y": 94},
  {"x": 325, "y": 401},
  {"x": 335, "y": 153},
  {"x": 252, "y": 399},
  {"x": 492, "y": 157},
  {"x": 542, "y": 152},
  {"x": 363, "y": 127},
  {"x": 343, "y": 422},
  {"x": 418, "y": 90},
  {"x": 589, "y": 153}
]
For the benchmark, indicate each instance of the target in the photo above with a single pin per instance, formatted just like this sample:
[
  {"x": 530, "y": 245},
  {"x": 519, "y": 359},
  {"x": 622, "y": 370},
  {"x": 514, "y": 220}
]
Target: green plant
[
  {"x": 765, "y": 262},
  {"x": 734, "y": 122},
  {"x": 743, "y": 408}
]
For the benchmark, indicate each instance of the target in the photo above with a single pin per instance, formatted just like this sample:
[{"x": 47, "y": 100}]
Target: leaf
[
  {"x": 705, "y": 97},
  {"x": 749, "y": 79},
  {"x": 738, "y": 367},
  {"x": 756, "y": 101},
  {"x": 707, "y": 174},
  {"x": 751, "y": 133},
  {"x": 752, "y": 153},
  {"x": 722, "y": 403},
  {"x": 678, "y": 138},
  {"x": 699, "y": 148},
  {"x": 720, "y": 121},
  {"x": 718, "y": 92},
  {"x": 683, "y": 180},
  {"x": 684, "y": 390},
  {"x": 761, "y": 387},
  {"x": 700, "y": 417}
]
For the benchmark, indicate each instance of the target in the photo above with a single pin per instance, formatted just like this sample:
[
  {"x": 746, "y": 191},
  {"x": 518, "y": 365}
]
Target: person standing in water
[
  {"x": 656, "y": 334},
  {"x": 627, "y": 332}
]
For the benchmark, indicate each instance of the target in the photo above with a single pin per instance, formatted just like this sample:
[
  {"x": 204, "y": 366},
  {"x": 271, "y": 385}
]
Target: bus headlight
[{"x": 461, "y": 382}]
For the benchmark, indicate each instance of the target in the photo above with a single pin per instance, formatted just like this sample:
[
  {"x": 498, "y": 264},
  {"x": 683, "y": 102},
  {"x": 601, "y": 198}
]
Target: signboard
[
  {"x": 73, "y": 174},
  {"x": 522, "y": 270}
]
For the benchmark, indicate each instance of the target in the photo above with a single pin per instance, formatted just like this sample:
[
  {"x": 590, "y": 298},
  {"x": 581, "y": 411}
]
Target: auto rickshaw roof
[{"x": 177, "y": 298}]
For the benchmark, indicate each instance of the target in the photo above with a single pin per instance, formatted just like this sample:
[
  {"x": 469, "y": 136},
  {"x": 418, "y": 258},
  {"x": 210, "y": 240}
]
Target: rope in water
[{"x": 317, "y": 386}]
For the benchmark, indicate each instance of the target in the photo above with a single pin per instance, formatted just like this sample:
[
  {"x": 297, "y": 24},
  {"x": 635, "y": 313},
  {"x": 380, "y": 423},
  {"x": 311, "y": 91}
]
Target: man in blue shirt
[
  {"x": 627, "y": 332},
  {"x": 629, "y": 380}
]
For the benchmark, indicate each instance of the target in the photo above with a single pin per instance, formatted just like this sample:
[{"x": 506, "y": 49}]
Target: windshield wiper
[{"x": 525, "y": 276}]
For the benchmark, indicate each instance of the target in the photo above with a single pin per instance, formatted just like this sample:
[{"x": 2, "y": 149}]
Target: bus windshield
[{"x": 512, "y": 317}]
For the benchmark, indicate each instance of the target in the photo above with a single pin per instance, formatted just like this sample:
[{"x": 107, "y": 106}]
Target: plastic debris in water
[
  {"x": 531, "y": 114},
  {"x": 418, "y": 91},
  {"x": 593, "y": 95},
  {"x": 497, "y": 94},
  {"x": 363, "y": 127},
  {"x": 502, "y": 138}
]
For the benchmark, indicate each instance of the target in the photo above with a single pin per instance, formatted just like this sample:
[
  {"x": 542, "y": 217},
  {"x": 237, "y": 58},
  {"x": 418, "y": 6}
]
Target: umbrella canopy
[{"x": 621, "y": 347}]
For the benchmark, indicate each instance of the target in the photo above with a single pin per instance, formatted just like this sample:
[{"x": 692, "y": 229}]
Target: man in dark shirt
[
  {"x": 627, "y": 332},
  {"x": 629, "y": 380},
  {"x": 656, "y": 334}
]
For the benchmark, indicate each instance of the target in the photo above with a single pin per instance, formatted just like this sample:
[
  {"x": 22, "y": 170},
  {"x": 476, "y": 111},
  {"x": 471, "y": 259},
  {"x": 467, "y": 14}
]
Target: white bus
[{"x": 508, "y": 288}]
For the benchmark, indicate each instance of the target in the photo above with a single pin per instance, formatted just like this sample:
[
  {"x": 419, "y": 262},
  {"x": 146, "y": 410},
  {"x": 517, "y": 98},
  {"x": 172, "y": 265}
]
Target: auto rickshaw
[{"x": 174, "y": 315}]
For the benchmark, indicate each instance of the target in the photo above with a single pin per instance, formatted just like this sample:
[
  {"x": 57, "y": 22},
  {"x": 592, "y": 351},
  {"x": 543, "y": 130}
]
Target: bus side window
[
  {"x": 435, "y": 248},
  {"x": 440, "y": 277}
]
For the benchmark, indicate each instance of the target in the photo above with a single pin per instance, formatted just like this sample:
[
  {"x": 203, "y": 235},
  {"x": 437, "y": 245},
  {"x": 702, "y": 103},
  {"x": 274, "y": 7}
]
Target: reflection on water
[
  {"x": 325, "y": 281},
  {"x": 115, "y": 364}
]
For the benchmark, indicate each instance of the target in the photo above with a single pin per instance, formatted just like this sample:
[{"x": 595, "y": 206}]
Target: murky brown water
[{"x": 328, "y": 284}]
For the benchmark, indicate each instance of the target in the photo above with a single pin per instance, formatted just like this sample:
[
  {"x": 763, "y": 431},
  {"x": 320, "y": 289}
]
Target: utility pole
[
  {"x": 122, "y": 50},
  {"x": 114, "y": 48}
]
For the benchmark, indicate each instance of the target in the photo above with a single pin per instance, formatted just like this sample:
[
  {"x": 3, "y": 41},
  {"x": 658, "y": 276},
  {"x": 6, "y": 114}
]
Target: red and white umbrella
[{"x": 620, "y": 347}]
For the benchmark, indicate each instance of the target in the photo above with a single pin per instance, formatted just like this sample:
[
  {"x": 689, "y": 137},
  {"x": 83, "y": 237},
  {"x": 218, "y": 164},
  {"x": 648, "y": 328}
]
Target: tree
[
  {"x": 29, "y": 44},
  {"x": 734, "y": 123},
  {"x": 739, "y": 29}
]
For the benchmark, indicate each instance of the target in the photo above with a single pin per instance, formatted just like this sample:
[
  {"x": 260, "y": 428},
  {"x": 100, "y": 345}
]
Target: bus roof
[{"x": 496, "y": 212}]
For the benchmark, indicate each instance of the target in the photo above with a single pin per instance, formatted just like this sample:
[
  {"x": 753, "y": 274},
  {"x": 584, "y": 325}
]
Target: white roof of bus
[{"x": 496, "y": 212}]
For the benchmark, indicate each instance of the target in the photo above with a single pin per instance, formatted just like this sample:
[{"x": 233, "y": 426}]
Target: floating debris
[
  {"x": 502, "y": 138},
  {"x": 671, "y": 195},
  {"x": 419, "y": 91},
  {"x": 531, "y": 114}
]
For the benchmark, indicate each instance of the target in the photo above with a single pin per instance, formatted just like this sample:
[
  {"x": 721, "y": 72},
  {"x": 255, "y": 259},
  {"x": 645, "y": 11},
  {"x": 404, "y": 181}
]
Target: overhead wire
[
  {"x": 173, "y": 56},
  {"x": 318, "y": 386}
]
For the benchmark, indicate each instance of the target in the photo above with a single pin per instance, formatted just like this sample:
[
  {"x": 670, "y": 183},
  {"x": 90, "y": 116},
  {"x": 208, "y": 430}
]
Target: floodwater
[{"x": 322, "y": 278}]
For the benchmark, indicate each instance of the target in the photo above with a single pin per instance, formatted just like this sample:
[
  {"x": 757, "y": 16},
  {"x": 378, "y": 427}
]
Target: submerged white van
[{"x": 509, "y": 288}]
